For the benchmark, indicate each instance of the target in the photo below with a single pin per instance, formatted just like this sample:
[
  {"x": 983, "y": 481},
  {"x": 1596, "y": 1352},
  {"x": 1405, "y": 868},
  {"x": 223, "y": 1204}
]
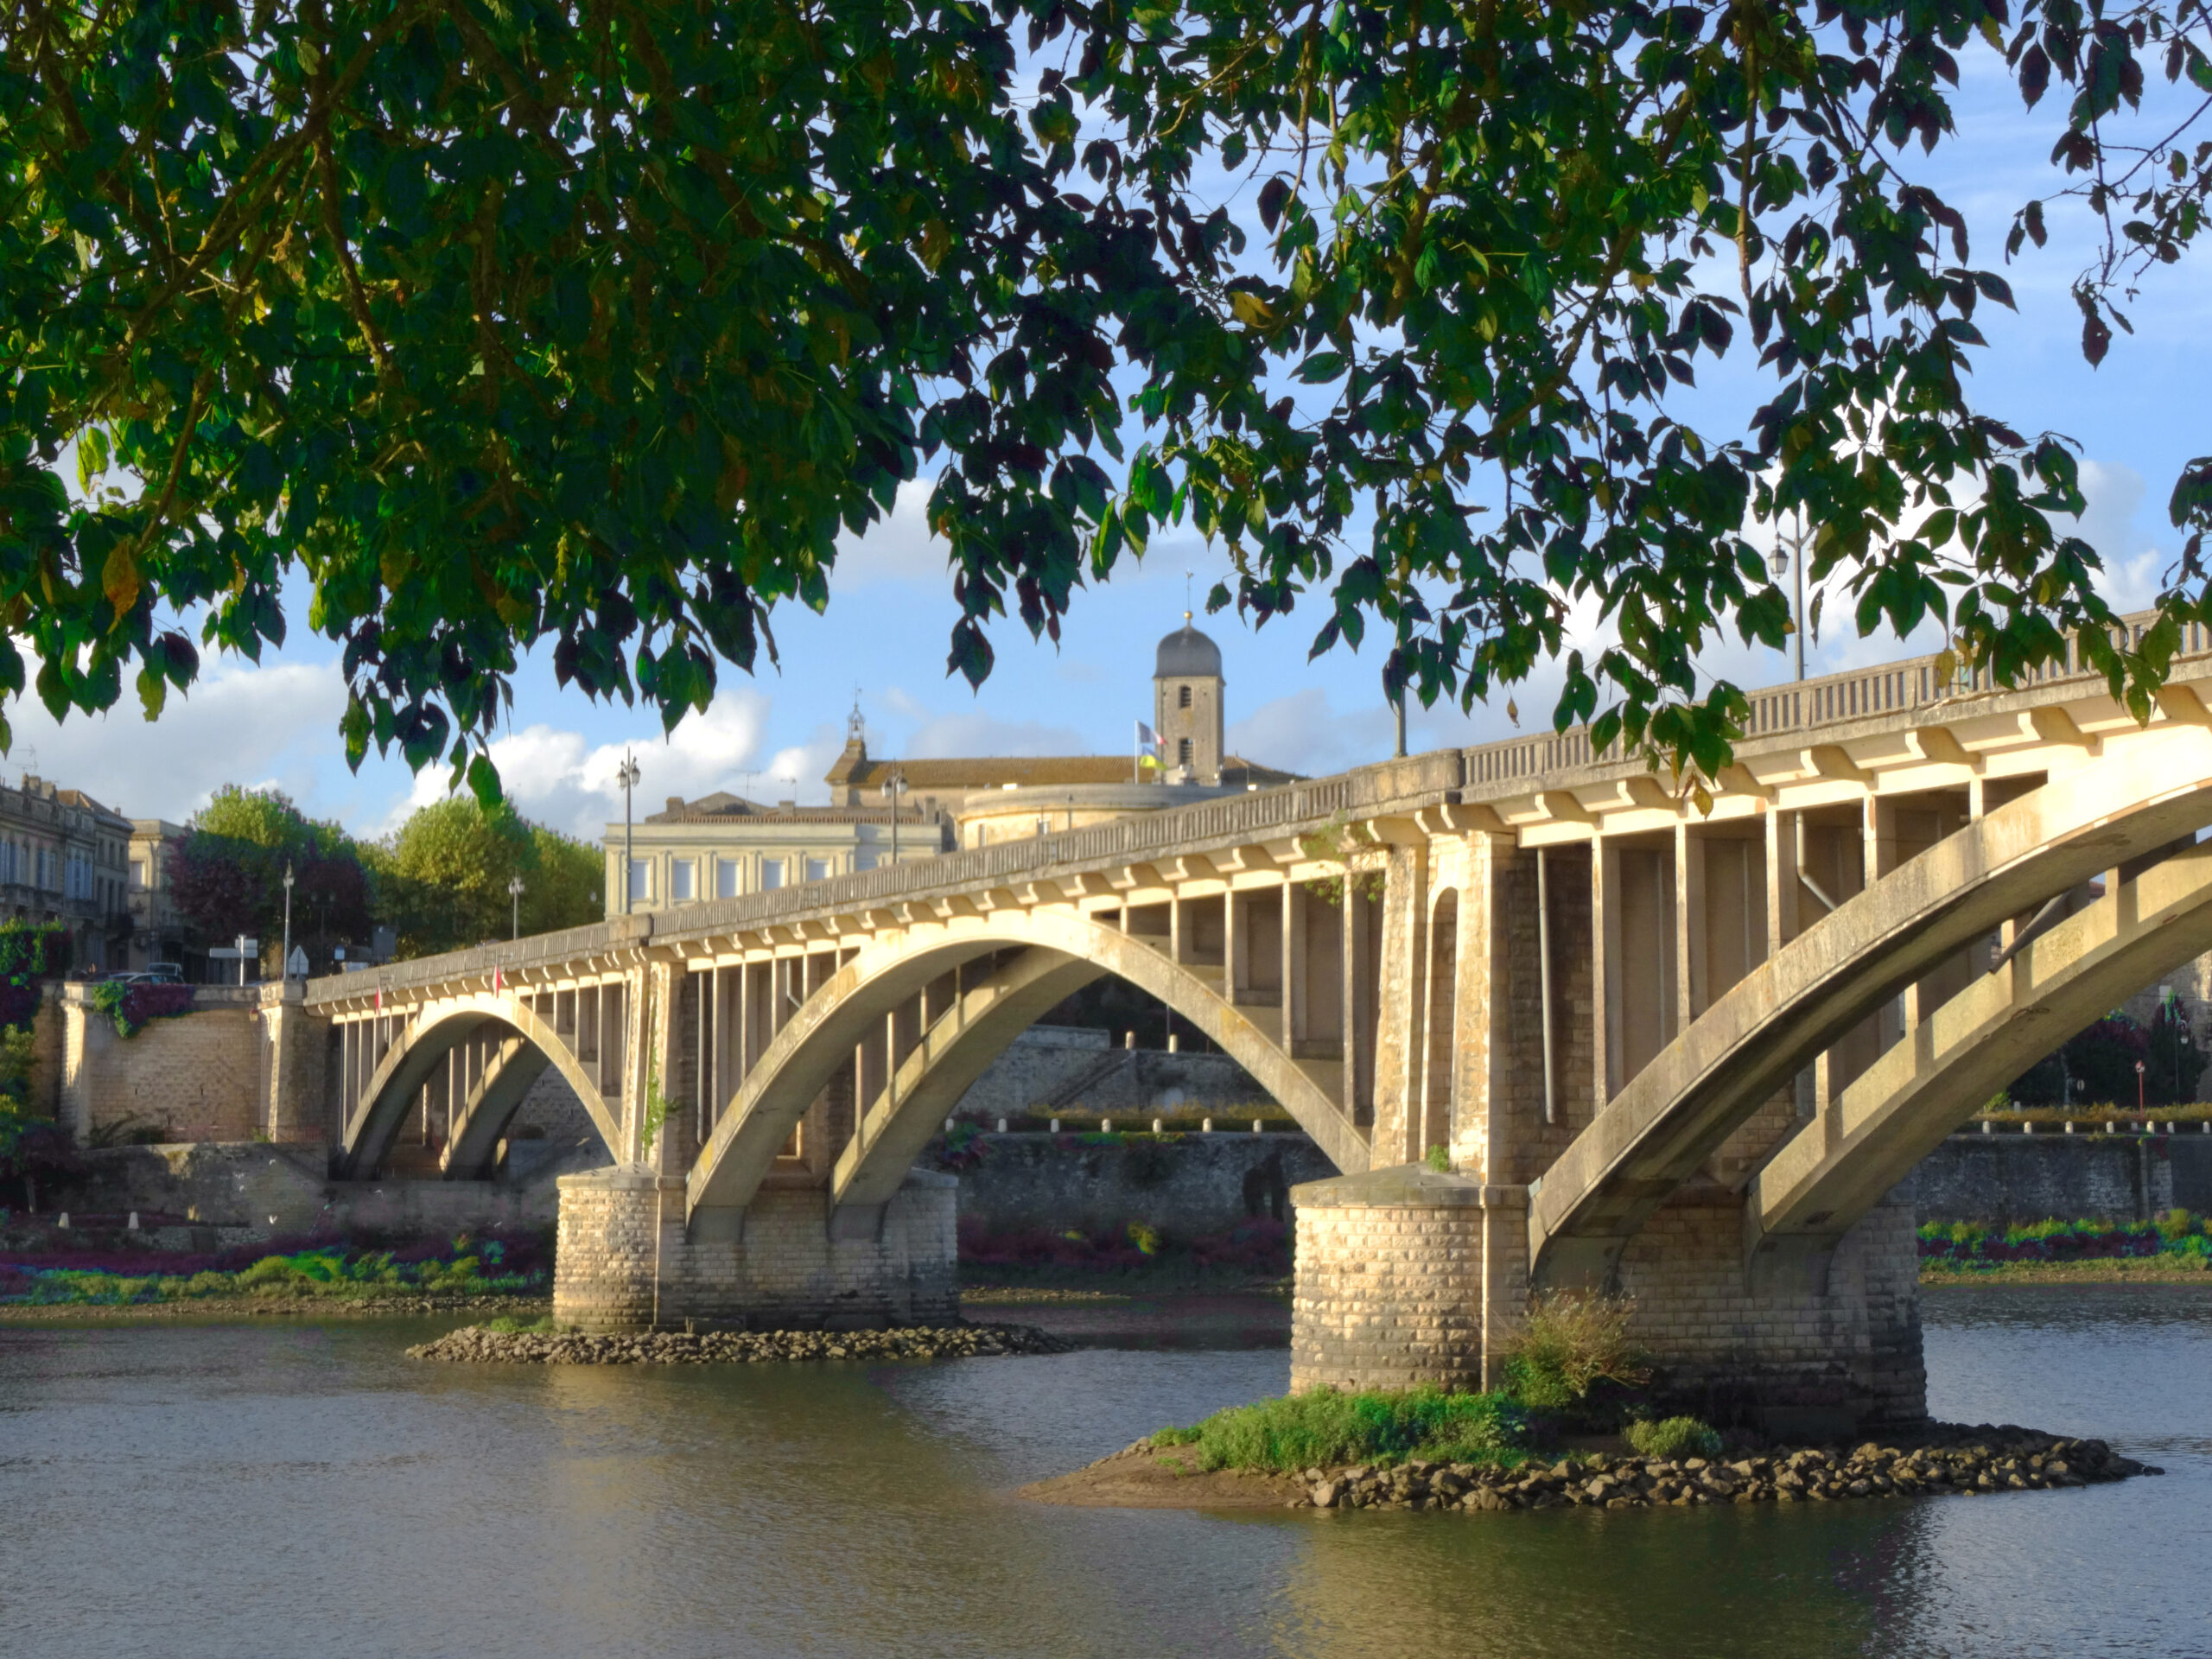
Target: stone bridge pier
[{"x": 1569, "y": 1029}]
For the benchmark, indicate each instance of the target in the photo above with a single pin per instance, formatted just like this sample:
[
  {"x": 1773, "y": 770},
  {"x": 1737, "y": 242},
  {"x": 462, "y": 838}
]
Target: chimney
[{"x": 676, "y": 803}]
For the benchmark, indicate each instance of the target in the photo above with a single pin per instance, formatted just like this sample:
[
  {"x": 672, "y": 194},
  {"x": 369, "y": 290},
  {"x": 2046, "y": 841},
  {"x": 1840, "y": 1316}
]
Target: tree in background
[
  {"x": 442, "y": 877},
  {"x": 228, "y": 875},
  {"x": 2101, "y": 1061}
]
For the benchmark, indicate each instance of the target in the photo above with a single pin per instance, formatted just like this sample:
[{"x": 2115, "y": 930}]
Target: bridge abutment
[{"x": 787, "y": 1261}]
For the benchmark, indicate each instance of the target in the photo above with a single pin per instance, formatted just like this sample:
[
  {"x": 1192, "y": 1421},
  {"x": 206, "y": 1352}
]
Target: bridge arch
[
  {"x": 1058, "y": 952},
  {"x": 1836, "y": 1168},
  {"x": 530, "y": 1044},
  {"x": 1756, "y": 1036}
]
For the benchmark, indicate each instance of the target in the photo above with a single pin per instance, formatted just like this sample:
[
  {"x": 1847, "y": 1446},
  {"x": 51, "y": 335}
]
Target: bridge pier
[
  {"x": 626, "y": 1260},
  {"x": 1409, "y": 1276}
]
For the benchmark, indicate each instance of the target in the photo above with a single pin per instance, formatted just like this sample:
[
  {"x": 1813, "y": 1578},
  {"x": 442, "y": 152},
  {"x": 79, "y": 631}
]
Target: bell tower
[{"x": 1186, "y": 700}]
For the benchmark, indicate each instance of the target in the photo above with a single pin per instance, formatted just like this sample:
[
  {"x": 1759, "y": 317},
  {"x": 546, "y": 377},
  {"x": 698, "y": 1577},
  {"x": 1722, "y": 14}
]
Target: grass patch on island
[{"x": 1322, "y": 1428}]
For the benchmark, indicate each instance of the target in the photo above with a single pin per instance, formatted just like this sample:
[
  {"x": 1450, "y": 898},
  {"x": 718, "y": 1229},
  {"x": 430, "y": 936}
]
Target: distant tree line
[{"x": 439, "y": 881}]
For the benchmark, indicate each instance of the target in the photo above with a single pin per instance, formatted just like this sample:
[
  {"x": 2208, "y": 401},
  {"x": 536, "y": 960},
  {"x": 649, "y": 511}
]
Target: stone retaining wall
[
  {"x": 2010, "y": 1177},
  {"x": 1188, "y": 1188}
]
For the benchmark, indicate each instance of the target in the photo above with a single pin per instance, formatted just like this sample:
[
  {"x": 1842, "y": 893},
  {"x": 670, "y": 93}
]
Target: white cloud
[
  {"x": 897, "y": 548},
  {"x": 2132, "y": 562},
  {"x": 555, "y": 776},
  {"x": 243, "y": 720}
]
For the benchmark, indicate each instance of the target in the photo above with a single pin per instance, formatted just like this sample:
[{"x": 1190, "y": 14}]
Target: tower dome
[{"x": 1186, "y": 654}]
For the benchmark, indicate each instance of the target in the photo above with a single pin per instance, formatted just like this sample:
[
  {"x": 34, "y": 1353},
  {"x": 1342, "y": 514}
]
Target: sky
[{"x": 881, "y": 644}]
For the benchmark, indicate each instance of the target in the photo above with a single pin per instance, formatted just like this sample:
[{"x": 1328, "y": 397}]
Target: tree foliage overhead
[{"x": 595, "y": 322}]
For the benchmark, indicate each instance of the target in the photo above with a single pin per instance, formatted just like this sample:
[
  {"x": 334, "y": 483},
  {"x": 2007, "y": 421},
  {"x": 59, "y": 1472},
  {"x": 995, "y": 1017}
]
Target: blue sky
[{"x": 2139, "y": 418}]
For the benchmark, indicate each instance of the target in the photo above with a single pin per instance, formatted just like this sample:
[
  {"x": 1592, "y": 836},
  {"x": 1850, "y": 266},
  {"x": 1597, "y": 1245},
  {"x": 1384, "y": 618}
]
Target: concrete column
[
  {"x": 1606, "y": 1035},
  {"x": 1690, "y": 994},
  {"x": 1235, "y": 944},
  {"x": 1401, "y": 1002},
  {"x": 1295, "y": 898}
]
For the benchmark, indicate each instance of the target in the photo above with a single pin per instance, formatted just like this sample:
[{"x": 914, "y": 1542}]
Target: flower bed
[
  {"x": 513, "y": 1264},
  {"x": 2178, "y": 1235}
]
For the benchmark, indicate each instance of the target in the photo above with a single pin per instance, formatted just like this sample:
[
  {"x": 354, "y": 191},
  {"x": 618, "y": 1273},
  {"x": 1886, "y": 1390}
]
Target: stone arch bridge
[{"x": 1559, "y": 1027}]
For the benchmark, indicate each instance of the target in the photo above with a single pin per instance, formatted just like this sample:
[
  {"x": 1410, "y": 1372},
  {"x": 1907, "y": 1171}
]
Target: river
[{"x": 288, "y": 1490}]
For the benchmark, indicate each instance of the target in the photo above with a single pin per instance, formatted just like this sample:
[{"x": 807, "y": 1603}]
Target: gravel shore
[
  {"x": 1945, "y": 1461},
  {"x": 475, "y": 1344}
]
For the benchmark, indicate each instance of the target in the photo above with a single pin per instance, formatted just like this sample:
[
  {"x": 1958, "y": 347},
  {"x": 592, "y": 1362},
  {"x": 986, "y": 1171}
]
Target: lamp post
[
  {"x": 284, "y": 966},
  {"x": 2138, "y": 1085},
  {"x": 514, "y": 893},
  {"x": 1781, "y": 563},
  {"x": 895, "y": 785},
  {"x": 627, "y": 777}
]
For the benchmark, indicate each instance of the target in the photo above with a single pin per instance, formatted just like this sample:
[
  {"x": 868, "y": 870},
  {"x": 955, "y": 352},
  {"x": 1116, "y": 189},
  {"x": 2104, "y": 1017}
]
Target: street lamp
[
  {"x": 627, "y": 777},
  {"x": 284, "y": 967},
  {"x": 1781, "y": 561},
  {"x": 514, "y": 891},
  {"x": 895, "y": 785}
]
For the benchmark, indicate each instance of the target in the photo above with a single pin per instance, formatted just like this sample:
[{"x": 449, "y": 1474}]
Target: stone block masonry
[
  {"x": 625, "y": 1261},
  {"x": 1409, "y": 1276}
]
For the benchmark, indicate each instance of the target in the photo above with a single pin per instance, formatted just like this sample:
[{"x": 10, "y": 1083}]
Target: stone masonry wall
[
  {"x": 2017, "y": 1178},
  {"x": 1389, "y": 1284},
  {"x": 1186, "y": 1188},
  {"x": 194, "y": 1078},
  {"x": 1041, "y": 1064},
  {"x": 1795, "y": 1357},
  {"x": 791, "y": 1271},
  {"x": 606, "y": 1252}
]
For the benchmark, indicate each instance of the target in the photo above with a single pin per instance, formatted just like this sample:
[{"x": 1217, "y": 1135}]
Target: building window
[
  {"x": 817, "y": 869},
  {"x": 771, "y": 873},
  {"x": 138, "y": 874},
  {"x": 725, "y": 877},
  {"x": 641, "y": 879},
  {"x": 1183, "y": 752},
  {"x": 684, "y": 880},
  {"x": 1182, "y": 697}
]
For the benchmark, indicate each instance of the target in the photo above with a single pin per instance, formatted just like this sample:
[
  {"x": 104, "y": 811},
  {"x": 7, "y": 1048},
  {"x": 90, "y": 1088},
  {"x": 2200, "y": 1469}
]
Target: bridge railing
[
  {"x": 1489, "y": 768},
  {"x": 1804, "y": 705}
]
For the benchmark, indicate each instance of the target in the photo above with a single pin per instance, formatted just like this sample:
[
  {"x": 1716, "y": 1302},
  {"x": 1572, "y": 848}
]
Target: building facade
[
  {"x": 158, "y": 930},
  {"x": 723, "y": 845},
  {"x": 64, "y": 858}
]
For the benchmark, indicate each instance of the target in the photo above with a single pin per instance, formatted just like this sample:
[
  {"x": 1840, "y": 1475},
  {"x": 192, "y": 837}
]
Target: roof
[
  {"x": 1187, "y": 654},
  {"x": 951, "y": 777},
  {"x": 722, "y": 807},
  {"x": 77, "y": 798}
]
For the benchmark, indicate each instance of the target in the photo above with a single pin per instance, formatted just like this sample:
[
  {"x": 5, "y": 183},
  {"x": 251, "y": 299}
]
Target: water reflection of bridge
[{"x": 1683, "y": 1045}]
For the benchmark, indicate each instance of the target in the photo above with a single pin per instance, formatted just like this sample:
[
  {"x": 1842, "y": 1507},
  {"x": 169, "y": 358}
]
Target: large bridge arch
[
  {"x": 1067, "y": 949},
  {"x": 1645, "y": 1142},
  {"x": 1840, "y": 1165},
  {"x": 436, "y": 1030}
]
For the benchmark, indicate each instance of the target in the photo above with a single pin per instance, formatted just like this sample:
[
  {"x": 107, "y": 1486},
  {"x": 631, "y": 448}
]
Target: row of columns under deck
[
  {"x": 590, "y": 1018},
  {"x": 1676, "y": 918},
  {"x": 1282, "y": 947}
]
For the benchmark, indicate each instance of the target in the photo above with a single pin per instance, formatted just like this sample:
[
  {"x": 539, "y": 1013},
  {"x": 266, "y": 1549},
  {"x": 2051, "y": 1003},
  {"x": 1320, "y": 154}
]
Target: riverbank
[
  {"x": 2109, "y": 1270},
  {"x": 200, "y": 1309},
  {"x": 480, "y": 1345},
  {"x": 1945, "y": 1461}
]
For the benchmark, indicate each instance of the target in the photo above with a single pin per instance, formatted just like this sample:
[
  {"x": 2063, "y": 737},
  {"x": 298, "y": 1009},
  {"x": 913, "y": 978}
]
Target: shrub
[
  {"x": 1568, "y": 1343},
  {"x": 1674, "y": 1437},
  {"x": 1322, "y": 1426}
]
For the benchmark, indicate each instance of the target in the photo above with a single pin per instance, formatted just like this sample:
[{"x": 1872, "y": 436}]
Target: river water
[{"x": 243, "y": 1491}]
